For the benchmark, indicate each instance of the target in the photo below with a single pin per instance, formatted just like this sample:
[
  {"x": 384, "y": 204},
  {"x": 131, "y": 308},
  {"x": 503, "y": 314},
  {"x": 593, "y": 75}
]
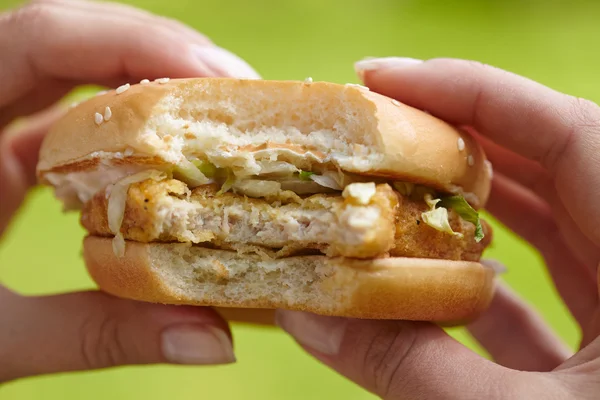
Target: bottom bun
[{"x": 386, "y": 288}]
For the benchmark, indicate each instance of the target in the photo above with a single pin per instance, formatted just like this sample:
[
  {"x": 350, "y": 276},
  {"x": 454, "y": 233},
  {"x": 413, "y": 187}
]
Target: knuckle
[
  {"x": 100, "y": 342},
  {"x": 582, "y": 122},
  {"x": 584, "y": 113},
  {"x": 388, "y": 356}
]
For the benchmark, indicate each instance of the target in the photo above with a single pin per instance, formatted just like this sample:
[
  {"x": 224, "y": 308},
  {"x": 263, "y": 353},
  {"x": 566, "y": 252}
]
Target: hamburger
[{"x": 258, "y": 195}]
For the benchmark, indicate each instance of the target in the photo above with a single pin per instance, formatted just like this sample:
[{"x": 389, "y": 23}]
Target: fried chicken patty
[{"x": 389, "y": 224}]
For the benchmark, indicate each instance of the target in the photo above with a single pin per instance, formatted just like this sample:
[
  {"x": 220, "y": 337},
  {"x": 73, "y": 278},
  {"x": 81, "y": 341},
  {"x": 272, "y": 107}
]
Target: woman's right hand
[{"x": 46, "y": 49}]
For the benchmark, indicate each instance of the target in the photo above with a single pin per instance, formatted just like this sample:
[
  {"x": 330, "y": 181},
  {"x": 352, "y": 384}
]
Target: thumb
[
  {"x": 92, "y": 330},
  {"x": 399, "y": 359}
]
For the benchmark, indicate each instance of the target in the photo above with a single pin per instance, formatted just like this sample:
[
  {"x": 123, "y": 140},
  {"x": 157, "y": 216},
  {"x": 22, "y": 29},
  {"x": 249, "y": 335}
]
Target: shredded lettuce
[
  {"x": 464, "y": 209},
  {"x": 305, "y": 175},
  {"x": 229, "y": 182},
  {"x": 437, "y": 217},
  {"x": 191, "y": 174},
  {"x": 277, "y": 168},
  {"x": 299, "y": 186},
  {"x": 257, "y": 188},
  {"x": 328, "y": 180},
  {"x": 209, "y": 170}
]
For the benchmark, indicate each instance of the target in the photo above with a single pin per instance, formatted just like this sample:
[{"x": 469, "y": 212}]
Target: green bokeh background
[{"x": 552, "y": 42}]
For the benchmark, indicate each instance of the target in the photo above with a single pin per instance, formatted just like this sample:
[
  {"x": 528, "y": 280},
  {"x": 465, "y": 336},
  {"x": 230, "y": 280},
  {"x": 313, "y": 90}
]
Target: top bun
[{"x": 241, "y": 123}]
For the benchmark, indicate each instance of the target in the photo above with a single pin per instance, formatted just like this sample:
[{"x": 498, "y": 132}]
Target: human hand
[
  {"x": 48, "y": 48},
  {"x": 544, "y": 146}
]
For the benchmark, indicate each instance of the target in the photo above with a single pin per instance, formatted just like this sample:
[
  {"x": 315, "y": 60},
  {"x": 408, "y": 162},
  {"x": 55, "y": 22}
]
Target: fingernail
[
  {"x": 224, "y": 63},
  {"x": 197, "y": 344},
  {"x": 496, "y": 265},
  {"x": 323, "y": 334},
  {"x": 371, "y": 64}
]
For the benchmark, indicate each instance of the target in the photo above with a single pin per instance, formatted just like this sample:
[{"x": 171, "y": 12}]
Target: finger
[
  {"x": 587, "y": 360},
  {"x": 209, "y": 54},
  {"x": 527, "y": 173},
  {"x": 42, "y": 96},
  {"x": 532, "y": 219},
  {"x": 531, "y": 176},
  {"x": 18, "y": 157},
  {"x": 90, "y": 46},
  {"x": 581, "y": 246},
  {"x": 48, "y": 90},
  {"x": 118, "y": 10},
  {"x": 556, "y": 130},
  {"x": 592, "y": 330},
  {"x": 92, "y": 330},
  {"x": 516, "y": 336},
  {"x": 397, "y": 359},
  {"x": 520, "y": 114}
]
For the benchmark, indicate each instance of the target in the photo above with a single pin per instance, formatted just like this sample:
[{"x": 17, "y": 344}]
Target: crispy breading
[{"x": 388, "y": 225}]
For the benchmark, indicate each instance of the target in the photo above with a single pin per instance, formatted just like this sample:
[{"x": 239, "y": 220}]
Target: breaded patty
[{"x": 388, "y": 224}]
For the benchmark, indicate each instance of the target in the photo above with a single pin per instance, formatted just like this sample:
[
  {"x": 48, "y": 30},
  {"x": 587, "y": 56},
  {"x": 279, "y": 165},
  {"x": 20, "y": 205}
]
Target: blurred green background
[{"x": 553, "y": 42}]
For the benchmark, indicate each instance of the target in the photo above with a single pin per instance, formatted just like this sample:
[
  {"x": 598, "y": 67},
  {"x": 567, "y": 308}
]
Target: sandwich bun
[
  {"x": 386, "y": 288},
  {"x": 235, "y": 123}
]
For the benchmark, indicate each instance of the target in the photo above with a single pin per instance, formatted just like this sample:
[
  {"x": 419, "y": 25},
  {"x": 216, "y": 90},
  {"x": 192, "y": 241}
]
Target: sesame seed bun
[
  {"x": 387, "y": 288},
  {"x": 236, "y": 122},
  {"x": 241, "y": 126}
]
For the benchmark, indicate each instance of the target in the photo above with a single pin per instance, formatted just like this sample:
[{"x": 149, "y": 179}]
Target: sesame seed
[
  {"x": 162, "y": 80},
  {"x": 98, "y": 118},
  {"x": 395, "y": 102},
  {"x": 308, "y": 80},
  {"x": 470, "y": 160},
  {"x": 144, "y": 81},
  {"x": 74, "y": 104},
  {"x": 461, "y": 144},
  {"x": 128, "y": 151},
  {"x": 123, "y": 88},
  {"x": 107, "y": 113},
  {"x": 100, "y": 93},
  {"x": 358, "y": 86}
]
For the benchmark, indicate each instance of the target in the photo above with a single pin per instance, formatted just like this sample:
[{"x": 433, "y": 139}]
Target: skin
[
  {"x": 104, "y": 44},
  {"x": 544, "y": 146}
]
